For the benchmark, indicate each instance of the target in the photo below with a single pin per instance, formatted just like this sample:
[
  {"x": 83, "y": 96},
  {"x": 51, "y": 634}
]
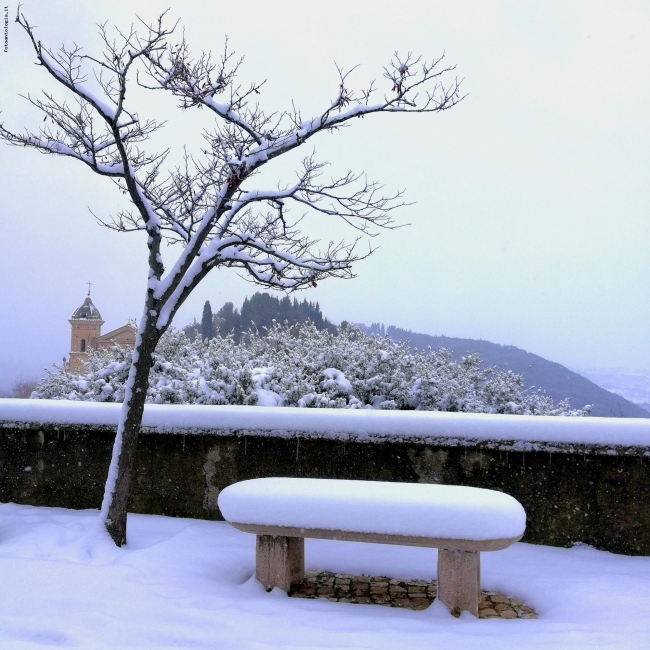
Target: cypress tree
[
  {"x": 207, "y": 324},
  {"x": 285, "y": 309}
]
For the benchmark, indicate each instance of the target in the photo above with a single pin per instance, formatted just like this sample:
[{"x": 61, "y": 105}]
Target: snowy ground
[{"x": 184, "y": 583}]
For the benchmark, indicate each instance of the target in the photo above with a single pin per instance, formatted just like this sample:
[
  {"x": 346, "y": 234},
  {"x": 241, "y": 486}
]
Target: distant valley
[
  {"x": 555, "y": 379},
  {"x": 632, "y": 385}
]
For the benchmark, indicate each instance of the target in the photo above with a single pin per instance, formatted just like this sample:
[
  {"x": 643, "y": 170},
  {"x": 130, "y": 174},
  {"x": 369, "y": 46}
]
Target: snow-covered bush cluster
[{"x": 302, "y": 366}]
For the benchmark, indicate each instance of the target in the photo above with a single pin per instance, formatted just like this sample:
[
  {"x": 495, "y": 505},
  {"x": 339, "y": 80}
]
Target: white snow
[
  {"x": 335, "y": 378},
  {"x": 183, "y": 583},
  {"x": 438, "y": 511},
  {"x": 268, "y": 398},
  {"x": 454, "y": 428}
]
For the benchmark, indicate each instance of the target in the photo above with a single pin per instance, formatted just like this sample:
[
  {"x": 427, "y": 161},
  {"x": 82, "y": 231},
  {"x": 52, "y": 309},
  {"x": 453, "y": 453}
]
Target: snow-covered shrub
[{"x": 306, "y": 367}]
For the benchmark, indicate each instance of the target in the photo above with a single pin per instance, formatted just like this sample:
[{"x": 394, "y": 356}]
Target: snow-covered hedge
[{"x": 302, "y": 366}]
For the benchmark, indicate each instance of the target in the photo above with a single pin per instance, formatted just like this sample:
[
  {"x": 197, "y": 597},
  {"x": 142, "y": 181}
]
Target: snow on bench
[{"x": 459, "y": 521}]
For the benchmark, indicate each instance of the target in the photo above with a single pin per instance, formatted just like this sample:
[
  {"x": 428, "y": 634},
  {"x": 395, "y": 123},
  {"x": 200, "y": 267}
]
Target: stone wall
[{"x": 601, "y": 499}]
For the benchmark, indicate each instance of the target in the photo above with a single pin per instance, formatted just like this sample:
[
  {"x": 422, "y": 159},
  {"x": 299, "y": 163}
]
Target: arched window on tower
[{"x": 83, "y": 345}]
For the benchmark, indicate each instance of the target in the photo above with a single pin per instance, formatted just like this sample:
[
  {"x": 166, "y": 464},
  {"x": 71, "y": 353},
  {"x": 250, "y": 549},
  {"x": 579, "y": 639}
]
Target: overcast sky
[{"x": 531, "y": 199}]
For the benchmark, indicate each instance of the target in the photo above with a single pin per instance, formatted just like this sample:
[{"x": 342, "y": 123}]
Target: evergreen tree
[
  {"x": 228, "y": 321},
  {"x": 263, "y": 309},
  {"x": 260, "y": 310},
  {"x": 192, "y": 330},
  {"x": 285, "y": 309},
  {"x": 317, "y": 317},
  {"x": 207, "y": 324}
]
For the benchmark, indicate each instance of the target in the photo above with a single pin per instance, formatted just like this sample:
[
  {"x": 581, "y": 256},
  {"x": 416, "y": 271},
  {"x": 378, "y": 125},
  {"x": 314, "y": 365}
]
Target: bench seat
[{"x": 459, "y": 521}]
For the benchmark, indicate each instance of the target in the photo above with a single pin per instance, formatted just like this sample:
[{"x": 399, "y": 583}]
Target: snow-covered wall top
[{"x": 604, "y": 435}]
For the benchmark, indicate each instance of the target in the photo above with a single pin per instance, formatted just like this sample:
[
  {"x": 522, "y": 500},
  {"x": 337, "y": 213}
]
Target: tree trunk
[{"x": 116, "y": 494}]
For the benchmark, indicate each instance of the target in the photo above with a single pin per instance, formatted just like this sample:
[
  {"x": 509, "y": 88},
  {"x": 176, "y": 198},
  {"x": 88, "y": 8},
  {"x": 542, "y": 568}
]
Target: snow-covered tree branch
[{"x": 212, "y": 204}]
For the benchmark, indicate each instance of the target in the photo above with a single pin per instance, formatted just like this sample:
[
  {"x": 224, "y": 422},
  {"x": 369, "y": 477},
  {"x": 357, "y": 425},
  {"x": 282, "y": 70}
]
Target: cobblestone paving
[{"x": 392, "y": 592}]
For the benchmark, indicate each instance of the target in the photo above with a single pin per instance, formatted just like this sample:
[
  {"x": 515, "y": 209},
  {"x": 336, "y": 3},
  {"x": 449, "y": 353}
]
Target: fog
[{"x": 528, "y": 222}]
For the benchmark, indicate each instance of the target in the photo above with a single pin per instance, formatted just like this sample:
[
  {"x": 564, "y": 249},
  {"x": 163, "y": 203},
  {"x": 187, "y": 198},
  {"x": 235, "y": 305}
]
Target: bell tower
[{"x": 86, "y": 326}]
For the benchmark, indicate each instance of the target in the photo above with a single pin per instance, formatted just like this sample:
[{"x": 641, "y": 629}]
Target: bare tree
[
  {"x": 24, "y": 387},
  {"x": 211, "y": 205}
]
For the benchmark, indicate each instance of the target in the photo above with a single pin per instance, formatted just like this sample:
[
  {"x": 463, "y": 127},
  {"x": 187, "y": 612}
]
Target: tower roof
[{"x": 87, "y": 311}]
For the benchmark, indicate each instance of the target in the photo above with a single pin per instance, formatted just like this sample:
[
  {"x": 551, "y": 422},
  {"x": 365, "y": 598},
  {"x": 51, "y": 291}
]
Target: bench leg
[
  {"x": 459, "y": 580},
  {"x": 279, "y": 561}
]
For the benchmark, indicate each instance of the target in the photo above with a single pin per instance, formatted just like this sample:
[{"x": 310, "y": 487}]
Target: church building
[{"x": 86, "y": 334}]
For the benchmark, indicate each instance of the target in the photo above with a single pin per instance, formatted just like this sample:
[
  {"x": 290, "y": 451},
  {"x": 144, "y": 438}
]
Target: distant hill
[{"x": 558, "y": 382}]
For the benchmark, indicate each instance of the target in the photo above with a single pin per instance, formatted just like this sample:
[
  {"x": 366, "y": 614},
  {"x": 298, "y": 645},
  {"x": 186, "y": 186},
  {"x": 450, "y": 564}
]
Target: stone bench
[{"x": 459, "y": 521}]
